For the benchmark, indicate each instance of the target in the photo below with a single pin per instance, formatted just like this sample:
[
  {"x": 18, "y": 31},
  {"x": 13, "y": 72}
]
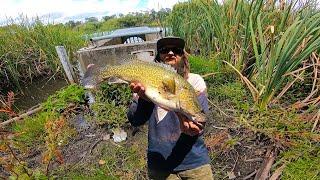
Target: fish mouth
[{"x": 201, "y": 118}]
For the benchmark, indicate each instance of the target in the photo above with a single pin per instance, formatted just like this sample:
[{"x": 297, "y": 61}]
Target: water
[{"x": 37, "y": 92}]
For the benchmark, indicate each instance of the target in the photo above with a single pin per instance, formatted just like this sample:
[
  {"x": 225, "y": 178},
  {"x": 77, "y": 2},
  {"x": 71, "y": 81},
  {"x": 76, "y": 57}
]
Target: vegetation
[
  {"x": 292, "y": 131},
  {"x": 110, "y": 23},
  {"x": 265, "y": 42},
  {"x": 28, "y": 51},
  {"x": 45, "y": 132},
  {"x": 260, "y": 60},
  {"x": 305, "y": 167},
  {"x": 111, "y": 105}
]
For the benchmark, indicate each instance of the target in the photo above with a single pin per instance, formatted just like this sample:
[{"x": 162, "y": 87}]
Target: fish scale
[{"x": 163, "y": 86}]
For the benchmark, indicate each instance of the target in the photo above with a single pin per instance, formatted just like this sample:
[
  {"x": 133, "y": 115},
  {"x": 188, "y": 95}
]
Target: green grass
[
  {"x": 32, "y": 131},
  {"x": 222, "y": 84},
  {"x": 203, "y": 65},
  {"x": 298, "y": 146},
  {"x": 46, "y": 132},
  {"x": 303, "y": 168},
  {"x": 302, "y": 162},
  {"x": 124, "y": 161},
  {"x": 288, "y": 125},
  {"x": 28, "y": 50},
  {"x": 238, "y": 32},
  {"x": 258, "y": 38},
  {"x": 111, "y": 105},
  {"x": 233, "y": 92}
]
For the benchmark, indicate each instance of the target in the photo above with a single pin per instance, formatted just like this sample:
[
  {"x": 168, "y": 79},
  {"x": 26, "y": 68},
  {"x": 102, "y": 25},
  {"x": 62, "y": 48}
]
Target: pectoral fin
[
  {"x": 169, "y": 85},
  {"x": 198, "y": 92},
  {"x": 155, "y": 96},
  {"x": 115, "y": 80}
]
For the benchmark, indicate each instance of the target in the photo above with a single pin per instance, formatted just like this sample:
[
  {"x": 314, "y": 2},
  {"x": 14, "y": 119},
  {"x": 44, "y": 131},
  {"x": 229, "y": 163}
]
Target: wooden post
[{"x": 66, "y": 64}]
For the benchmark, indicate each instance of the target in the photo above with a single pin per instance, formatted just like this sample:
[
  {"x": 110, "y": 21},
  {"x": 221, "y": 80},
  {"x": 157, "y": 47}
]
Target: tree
[
  {"x": 72, "y": 23},
  {"x": 91, "y": 19},
  {"x": 106, "y": 18}
]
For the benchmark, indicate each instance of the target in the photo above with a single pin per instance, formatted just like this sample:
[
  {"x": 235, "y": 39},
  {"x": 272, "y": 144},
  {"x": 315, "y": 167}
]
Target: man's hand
[
  {"x": 189, "y": 127},
  {"x": 139, "y": 89}
]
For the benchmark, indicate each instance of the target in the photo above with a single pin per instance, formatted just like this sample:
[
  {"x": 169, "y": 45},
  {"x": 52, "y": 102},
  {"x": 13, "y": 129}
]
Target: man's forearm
[{"x": 140, "y": 112}]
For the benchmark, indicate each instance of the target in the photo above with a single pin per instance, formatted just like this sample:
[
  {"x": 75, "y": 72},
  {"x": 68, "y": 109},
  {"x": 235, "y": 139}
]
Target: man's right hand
[
  {"x": 189, "y": 127},
  {"x": 139, "y": 89}
]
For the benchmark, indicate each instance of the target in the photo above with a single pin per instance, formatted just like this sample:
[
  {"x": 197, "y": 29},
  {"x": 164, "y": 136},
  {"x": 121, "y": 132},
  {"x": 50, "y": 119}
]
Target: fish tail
[{"x": 91, "y": 77}]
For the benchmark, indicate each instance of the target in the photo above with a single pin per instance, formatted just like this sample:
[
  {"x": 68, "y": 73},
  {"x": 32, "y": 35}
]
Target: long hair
[{"x": 184, "y": 66}]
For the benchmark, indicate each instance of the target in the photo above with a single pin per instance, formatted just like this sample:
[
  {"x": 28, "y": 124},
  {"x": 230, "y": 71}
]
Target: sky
[{"x": 64, "y": 10}]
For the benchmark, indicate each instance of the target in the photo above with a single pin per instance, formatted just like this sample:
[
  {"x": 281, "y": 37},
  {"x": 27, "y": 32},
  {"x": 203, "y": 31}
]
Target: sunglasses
[{"x": 175, "y": 50}]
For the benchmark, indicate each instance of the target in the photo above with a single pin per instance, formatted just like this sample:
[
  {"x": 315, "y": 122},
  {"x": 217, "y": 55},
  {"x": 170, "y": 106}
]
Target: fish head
[
  {"x": 92, "y": 77},
  {"x": 189, "y": 105},
  {"x": 193, "y": 112}
]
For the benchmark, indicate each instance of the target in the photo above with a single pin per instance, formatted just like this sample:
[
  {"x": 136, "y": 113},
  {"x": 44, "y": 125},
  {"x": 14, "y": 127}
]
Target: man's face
[{"x": 171, "y": 55}]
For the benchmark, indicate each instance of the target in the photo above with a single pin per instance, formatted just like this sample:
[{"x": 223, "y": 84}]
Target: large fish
[{"x": 163, "y": 86}]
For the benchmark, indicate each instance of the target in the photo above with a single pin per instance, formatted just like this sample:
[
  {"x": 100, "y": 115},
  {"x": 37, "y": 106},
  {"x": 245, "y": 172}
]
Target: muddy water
[{"x": 37, "y": 92}]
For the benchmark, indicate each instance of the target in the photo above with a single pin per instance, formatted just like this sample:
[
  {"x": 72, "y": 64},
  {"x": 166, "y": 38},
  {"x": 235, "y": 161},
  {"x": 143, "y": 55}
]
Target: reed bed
[
  {"x": 271, "y": 44},
  {"x": 27, "y": 50}
]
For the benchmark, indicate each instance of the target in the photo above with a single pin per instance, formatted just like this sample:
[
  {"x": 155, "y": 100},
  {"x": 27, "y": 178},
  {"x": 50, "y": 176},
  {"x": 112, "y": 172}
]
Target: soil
[{"x": 236, "y": 152}]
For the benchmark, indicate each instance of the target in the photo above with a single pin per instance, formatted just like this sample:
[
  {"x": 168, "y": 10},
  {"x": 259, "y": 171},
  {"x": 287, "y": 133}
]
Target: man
[{"x": 176, "y": 149}]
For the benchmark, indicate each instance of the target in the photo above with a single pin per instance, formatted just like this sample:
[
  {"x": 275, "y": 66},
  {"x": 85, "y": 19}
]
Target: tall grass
[
  {"x": 27, "y": 50},
  {"x": 278, "y": 57},
  {"x": 263, "y": 41},
  {"x": 213, "y": 27}
]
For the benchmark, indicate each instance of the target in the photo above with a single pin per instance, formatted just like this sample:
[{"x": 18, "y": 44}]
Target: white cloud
[
  {"x": 158, "y": 4},
  {"x": 66, "y": 8}
]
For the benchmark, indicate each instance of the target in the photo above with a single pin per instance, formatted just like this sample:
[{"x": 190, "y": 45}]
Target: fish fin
[
  {"x": 155, "y": 96},
  {"x": 171, "y": 96},
  {"x": 197, "y": 92},
  {"x": 134, "y": 59},
  {"x": 166, "y": 66},
  {"x": 116, "y": 80},
  {"x": 129, "y": 58},
  {"x": 169, "y": 85}
]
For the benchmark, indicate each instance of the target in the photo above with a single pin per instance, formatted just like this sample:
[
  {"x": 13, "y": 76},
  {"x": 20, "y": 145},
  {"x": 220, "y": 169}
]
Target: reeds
[
  {"x": 264, "y": 41},
  {"x": 27, "y": 50},
  {"x": 277, "y": 58}
]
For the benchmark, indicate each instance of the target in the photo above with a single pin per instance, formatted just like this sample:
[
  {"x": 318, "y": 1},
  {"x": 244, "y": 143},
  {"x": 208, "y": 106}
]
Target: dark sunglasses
[{"x": 175, "y": 50}]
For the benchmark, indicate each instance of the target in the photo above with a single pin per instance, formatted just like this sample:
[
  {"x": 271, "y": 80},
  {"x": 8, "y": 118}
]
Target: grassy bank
[
  {"x": 28, "y": 51},
  {"x": 260, "y": 60},
  {"x": 50, "y": 143}
]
